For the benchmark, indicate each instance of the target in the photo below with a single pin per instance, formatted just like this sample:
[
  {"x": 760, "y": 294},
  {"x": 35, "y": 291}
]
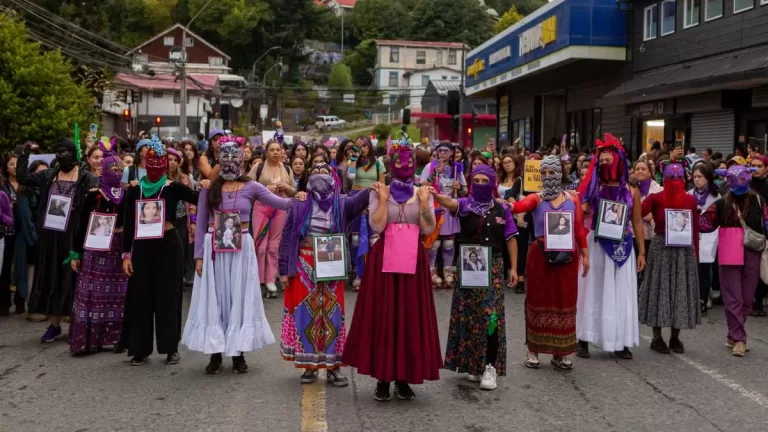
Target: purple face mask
[
  {"x": 738, "y": 178},
  {"x": 322, "y": 187}
]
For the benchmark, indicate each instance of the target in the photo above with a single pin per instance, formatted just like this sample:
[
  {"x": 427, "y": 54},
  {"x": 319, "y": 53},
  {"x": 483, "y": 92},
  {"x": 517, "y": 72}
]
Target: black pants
[
  {"x": 760, "y": 293},
  {"x": 705, "y": 281},
  {"x": 153, "y": 303},
  {"x": 189, "y": 249},
  {"x": 492, "y": 350},
  {"x": 5, "y": 274}
]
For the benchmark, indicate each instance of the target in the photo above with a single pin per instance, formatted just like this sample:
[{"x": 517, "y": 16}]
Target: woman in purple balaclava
[
  {"x": 314, "y": 327},
  {"x": 97, "y": 312},
  {"x": 477, "y": 342},
  {"x": 394, "y": 336},
  {"x": 737, "y": 211}
]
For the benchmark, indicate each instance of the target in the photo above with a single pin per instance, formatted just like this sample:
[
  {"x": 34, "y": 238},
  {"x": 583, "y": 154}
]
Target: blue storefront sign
[{"x": 561, "y": 31}]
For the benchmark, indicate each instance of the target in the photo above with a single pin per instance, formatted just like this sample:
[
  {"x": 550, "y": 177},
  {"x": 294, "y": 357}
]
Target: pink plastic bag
[
  {"x": 401, "y": 246},
  {"x": 730, "y": 246}
]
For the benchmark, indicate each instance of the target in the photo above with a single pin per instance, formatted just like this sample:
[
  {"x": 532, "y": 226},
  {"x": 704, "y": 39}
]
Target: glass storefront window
[{"x": 653, "y": 130}]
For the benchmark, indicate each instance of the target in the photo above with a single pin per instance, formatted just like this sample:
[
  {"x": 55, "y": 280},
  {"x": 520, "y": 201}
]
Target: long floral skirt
[
  {"x": 550, "y": 304},
  {"x": 314, "y": 331},
  {"x": 97, "y": 312},
  {"x": 471, "y": 311},
  {"x": 394, "y": 334}
]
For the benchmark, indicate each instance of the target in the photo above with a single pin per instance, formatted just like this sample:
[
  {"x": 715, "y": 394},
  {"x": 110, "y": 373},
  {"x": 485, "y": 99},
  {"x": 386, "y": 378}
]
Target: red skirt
[
  {"x": 394, "y": 335},
  {"x": 550, "y": 304}
]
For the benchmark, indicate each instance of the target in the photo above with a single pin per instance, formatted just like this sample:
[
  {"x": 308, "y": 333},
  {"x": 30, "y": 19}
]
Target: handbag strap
[{"x": 741, "y": 218}]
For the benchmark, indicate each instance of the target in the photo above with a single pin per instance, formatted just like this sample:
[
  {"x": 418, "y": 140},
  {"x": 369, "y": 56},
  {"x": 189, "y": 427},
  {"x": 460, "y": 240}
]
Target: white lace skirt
[{"x": 227, "y": 314}]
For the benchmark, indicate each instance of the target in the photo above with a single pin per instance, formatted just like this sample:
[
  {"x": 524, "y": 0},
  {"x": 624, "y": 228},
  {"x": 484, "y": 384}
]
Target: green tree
[
  {"x": 381, "y": 19},
  {"x": 341, "y": 77},
  {"x": 451, "y": 21},
  {"x": 361, "y": 61},
  {"x": 527, "y": 7},
  {"x": 232, "y": 20},
  {"x": 510, "y": 18},
  {"x": 40, "y": 100}
]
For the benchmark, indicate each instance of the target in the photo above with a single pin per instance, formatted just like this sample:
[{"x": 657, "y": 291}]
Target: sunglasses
[{"x": 757, "y": 166}]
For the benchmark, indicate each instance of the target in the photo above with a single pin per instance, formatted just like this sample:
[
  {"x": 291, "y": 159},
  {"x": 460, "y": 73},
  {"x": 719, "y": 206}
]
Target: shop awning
[{"x": 734, "y": 70}]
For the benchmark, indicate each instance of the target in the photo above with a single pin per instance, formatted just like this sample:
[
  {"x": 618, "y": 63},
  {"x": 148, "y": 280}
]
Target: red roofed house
[
  {"x": 212, "y": 91},
  {"x": 405, "y": 68}
]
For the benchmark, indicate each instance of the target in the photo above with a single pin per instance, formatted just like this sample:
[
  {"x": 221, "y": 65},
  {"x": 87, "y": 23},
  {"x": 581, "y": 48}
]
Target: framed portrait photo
[
  {"x": 330, "y": 255},
  {"x": 57, "y": 213},
  {"x": 101, "y": 229},
  {"x": 678, "y": 228},
  {"x": 475, "y": 269},
  {"x": 150, "y": 219},
  {"x": 559, "y": 234},
  {"x": 227, "y": 236},
  {"x": 611, "y": 220}
]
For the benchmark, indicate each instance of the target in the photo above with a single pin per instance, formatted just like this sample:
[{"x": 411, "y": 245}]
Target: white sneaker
[
  {"x": 271, "y": 287},
  {"x": 489, "y": 379},
  {"x": 474, "y": 378}
]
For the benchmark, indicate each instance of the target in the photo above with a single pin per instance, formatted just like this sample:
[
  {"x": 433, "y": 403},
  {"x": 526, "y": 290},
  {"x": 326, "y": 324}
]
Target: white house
[{"x": 404, "y": 68}]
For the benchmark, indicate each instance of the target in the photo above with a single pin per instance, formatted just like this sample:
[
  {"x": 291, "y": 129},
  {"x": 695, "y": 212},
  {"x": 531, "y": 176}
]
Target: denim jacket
[{"x": 350, "y": 208}]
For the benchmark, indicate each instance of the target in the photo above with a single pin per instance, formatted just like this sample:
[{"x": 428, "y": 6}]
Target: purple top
[
  {"x": 510, "y": 228},
  {"x": 546, "y": 206},
  {"x": 6, "y": 214},
  {"x": 241, "y": 201},
  {"x": 412, "y": 214},
  {"x": 349, "y": 206}
]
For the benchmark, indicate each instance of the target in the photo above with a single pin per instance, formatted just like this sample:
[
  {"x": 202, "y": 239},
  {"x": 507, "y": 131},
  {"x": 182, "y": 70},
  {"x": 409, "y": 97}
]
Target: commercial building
[
  {"x": 685, "y": 72},
  {"x": 699, "y": 74}
]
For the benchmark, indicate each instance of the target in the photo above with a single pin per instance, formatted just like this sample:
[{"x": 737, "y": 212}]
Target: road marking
[
  {"x": 754, "y": 396},
  {"x": 313, "y": 405}
]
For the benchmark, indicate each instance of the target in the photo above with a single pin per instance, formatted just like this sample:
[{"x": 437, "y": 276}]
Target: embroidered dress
[
  {"x": 314, "y": 329},
  {"x": 471, "y": 309},
  {"x": 97, "y": 312},
  {"x": 551, "y": 295}
]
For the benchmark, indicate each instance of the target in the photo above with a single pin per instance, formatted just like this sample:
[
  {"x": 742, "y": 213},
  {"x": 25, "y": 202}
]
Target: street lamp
[{"x": 253, "y": 70}]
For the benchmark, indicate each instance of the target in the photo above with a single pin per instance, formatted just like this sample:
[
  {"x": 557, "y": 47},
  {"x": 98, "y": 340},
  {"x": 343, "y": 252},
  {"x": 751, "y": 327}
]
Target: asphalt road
[{"x": 43, "y": 388}]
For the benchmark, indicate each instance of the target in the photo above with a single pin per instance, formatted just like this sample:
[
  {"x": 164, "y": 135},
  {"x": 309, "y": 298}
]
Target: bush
[{"x": 381, "y": 131}]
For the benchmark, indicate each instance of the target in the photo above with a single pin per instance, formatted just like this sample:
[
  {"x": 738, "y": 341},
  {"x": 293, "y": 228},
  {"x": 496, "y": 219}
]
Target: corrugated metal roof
[
  {"x": 714, "y": 70},
  {"x": 168, "y": 82},
  {"x": 444, "y": 86}
]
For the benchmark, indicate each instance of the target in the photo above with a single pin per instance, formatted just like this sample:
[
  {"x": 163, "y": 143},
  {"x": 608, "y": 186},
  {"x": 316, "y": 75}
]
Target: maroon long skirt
[{"x": 393, "y": 335}]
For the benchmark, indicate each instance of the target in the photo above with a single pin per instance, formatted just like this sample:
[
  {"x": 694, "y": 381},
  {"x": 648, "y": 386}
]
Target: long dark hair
[
  {"x": 187, "y": 166},
  {"x": 302, "y": 179},
  {"x": 32, "y": 168},
  {"x": 502, "y": 173},
  {"x": 371, "y": 158},
  {"x": 293, "y": 150},
  {"x": 341, "y": 152},
  {"x": 214, "y": 192}
]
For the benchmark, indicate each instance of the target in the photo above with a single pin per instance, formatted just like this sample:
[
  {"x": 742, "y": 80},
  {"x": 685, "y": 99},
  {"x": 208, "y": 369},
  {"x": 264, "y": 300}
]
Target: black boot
[
  {"x": 582, "y": 349},
  {"x": 214, "y": 366},
  {"x": 658, "y": 345},
  {"x": 20, "y": 305},
  {"x": 239, "y": 365},
  {"x": 624, "y": 354}
]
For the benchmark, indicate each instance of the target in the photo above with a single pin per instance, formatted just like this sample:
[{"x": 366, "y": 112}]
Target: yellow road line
[{"x": 313, "y": 406}]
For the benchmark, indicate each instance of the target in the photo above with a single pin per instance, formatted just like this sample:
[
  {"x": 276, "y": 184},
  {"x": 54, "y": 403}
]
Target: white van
[{"x": 329, "y": 122}]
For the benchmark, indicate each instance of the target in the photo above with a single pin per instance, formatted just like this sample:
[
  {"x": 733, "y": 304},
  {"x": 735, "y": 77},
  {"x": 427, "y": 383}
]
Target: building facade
[
  {"x": 404, "y": 68},
  {"x": 699, "y": 74}
]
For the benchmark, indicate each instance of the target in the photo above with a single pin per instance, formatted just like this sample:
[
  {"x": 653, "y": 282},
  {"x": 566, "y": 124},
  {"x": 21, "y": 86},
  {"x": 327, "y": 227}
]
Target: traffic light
[
  {"x": 127, "y": 115},
  {"x": 469, "y": 131},
  {"x": 158, "y": 121}
]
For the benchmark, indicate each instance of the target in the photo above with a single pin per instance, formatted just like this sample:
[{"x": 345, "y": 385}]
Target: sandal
[
  {"x": 532, "y": 361},
  {"x": 562, "y": 363}
]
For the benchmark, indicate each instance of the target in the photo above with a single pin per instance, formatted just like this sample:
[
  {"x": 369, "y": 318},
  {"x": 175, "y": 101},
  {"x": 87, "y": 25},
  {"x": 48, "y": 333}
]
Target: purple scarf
[
  {"x": 645, "y": 186},
  {"x": 401, "y": 191},
  {"x": 481, "y": 197},
  {"x": 701, "y": 196},
  {"x": 618, "y": 251}
]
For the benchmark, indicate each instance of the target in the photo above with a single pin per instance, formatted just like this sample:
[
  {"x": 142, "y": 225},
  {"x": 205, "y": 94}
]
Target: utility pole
[
  {"x": 342, "y": 31},
  {"x": 461, "y": 89},
  {"x": 183, "y": 75}
]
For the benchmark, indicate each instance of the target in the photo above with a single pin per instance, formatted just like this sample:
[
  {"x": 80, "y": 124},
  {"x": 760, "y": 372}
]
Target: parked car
[{"x": 329, "y": 122}]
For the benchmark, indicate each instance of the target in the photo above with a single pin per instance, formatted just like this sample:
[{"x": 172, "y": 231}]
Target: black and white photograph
[
  {"x": 101, "y": 228},
  {"x": 679, "y": 228},
  {"x": 559, "y": 235},
  {"x": 150, "y": 219},
  {"x": 228, "y": 236},
  {"x": 330, "y": 257},
  {"x": 57, "y": 213},
  {"x": 612, "y": 220},
  {"x": 475, "y": 271}
]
